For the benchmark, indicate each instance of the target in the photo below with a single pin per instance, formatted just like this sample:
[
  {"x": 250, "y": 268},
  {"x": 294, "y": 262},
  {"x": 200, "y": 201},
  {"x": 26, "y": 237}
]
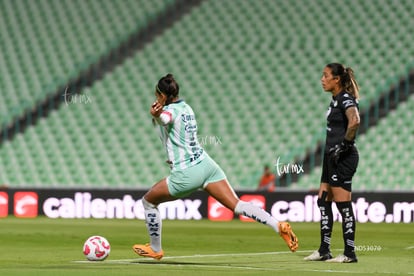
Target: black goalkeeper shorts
[{"x": 340, "y": 175}]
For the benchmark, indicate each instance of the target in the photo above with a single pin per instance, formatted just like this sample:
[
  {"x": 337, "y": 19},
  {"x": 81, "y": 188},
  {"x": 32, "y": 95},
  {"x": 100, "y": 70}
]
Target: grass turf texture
[{"x": 45, "y": 246}]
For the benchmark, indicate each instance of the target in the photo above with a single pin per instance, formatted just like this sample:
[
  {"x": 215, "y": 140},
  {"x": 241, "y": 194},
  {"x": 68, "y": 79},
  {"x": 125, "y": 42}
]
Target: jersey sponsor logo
[
  {"x": 25, "y": 204},
  {"x": 217, "y": 212},
  {"x": 348, "y": 103},
  {"x": 197, "y": 154},
  {"x": 4, "y": 204},
  {"x": 190, "y": 128},
  {"x": 257, "y": 200},
  {"x": 187, "y": 117}
]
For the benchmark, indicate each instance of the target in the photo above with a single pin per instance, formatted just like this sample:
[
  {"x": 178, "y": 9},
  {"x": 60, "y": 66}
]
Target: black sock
[
  {"x": 348, "y": 227},
  {"x": 326, "y": 225}
]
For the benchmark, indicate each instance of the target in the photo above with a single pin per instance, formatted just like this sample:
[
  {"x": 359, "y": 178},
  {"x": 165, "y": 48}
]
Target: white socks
[
  {"x": 255, "y": 212},
  {"x": 154, "y": 224}
]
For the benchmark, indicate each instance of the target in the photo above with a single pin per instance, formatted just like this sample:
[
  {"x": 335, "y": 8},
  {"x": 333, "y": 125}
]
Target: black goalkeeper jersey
[{"x": 337, "y": 122}]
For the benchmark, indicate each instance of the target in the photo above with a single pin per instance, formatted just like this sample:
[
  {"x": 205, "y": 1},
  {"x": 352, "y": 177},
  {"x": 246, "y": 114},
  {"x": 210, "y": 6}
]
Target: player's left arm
[
  {"x": 160, "y": 115},
  {"x": 352, "y": 115},
  {"x": 165, "y": 118}
]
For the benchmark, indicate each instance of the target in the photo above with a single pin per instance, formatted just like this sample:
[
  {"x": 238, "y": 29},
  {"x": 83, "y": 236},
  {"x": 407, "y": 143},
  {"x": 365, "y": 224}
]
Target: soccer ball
[{"x": 96, "y": 248}]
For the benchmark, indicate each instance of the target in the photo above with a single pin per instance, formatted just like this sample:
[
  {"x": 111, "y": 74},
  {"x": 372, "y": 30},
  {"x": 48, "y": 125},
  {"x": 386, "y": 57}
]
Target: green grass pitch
[{"x": 45, "y": 246}]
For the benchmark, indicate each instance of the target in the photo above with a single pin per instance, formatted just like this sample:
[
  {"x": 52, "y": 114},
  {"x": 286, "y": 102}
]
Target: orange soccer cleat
[
  {"x": 286, "y": 232},
  {"x": 146, "y": 251}
]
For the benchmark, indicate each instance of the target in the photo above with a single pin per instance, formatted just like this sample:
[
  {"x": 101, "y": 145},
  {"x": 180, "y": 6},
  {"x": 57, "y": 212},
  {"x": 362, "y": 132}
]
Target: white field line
[
  {"x": 232, "y": 254},
  {"x": 141, "y": 261},
  {"x": 196, "y": 256}
]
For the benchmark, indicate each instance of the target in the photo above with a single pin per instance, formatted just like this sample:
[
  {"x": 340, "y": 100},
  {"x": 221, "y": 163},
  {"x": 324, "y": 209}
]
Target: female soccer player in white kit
[{"x": 191, "y": 169}]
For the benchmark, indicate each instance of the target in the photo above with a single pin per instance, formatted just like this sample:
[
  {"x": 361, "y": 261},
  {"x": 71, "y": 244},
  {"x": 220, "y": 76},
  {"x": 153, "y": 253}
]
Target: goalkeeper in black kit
[{"x": 339, "y": 163}]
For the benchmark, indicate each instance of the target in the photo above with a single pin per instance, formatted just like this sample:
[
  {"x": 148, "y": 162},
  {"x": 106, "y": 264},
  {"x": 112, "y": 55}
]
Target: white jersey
[{"x": 178, "y": 132}]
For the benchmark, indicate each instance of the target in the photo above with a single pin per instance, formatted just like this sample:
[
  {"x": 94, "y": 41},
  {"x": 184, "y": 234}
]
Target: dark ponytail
[
  {"x": 347, "y": 78},
  {"x": 168, "y": 86}
]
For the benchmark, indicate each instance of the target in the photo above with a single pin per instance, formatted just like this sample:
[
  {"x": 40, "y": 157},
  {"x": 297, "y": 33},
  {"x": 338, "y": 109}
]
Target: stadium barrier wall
[{"x": 298, "y": 206}]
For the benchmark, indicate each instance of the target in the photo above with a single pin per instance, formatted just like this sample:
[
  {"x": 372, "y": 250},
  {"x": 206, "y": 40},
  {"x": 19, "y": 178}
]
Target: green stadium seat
[{"x": 252, "y": 84}]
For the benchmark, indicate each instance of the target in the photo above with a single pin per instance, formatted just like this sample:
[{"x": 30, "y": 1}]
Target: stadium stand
[
  {"x": 250, "y": 69},
  {"x": 45, "y": 43}
]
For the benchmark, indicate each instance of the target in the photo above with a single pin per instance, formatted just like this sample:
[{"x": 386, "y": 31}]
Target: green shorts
[{"x": 182, "y": 183}]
